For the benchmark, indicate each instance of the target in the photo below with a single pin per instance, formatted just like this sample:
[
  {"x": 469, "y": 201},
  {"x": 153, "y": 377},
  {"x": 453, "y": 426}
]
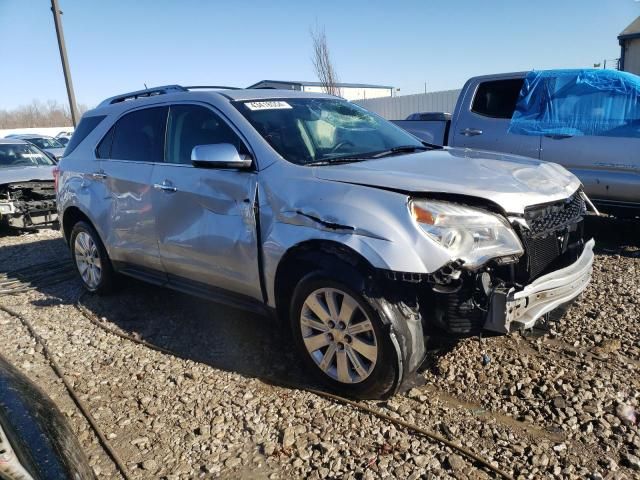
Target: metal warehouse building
[
  {"x": 350, "y": 91},
  {"x": 630, "y": 48}
]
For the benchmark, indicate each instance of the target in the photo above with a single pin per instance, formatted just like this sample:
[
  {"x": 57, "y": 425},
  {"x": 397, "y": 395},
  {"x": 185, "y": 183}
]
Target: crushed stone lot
[{"x": 550, "y": 405}]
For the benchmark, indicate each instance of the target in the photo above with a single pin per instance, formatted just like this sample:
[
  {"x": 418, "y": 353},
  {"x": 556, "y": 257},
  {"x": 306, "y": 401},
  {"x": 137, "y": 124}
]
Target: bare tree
[
  {"x": 322, "y": 62},
  {"x": 38, "y": 114}
]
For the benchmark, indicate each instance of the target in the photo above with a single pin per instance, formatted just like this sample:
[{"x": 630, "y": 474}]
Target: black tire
[
  {"x": 384, "y": 379},
  {"x": 105, "y": 283}
]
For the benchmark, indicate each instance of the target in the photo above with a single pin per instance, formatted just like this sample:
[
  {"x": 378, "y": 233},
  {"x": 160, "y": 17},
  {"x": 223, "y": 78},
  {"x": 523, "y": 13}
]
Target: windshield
[
  {"x": 318, "y": 130},
  {"x": 43, "y": 142},
  {"x": 22, "y": 155}
]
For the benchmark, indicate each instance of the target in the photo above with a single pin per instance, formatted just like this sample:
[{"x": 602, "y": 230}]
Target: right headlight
[{"x": 467, "y": 233}]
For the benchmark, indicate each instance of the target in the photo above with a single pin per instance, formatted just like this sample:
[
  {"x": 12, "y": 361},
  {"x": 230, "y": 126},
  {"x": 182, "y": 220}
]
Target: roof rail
[
  {"x": 148, "y": 92},
  {"x": 211, "y": 87}
]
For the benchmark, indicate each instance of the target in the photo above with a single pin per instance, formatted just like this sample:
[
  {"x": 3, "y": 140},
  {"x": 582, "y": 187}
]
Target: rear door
[
  {"x": 128, "y": 153},
  {"x": 483, "y": 119},
  {"x": 205, "y": 217}
]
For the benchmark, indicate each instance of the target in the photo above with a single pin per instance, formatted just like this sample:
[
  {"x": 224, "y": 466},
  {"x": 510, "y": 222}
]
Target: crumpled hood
[
  {"x": 513, "y": 182},
  {"x": 25, "y": 174}
]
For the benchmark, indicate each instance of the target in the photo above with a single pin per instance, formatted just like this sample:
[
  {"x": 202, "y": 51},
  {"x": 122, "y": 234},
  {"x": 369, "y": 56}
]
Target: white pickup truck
[{"x": 607, "y": 165}]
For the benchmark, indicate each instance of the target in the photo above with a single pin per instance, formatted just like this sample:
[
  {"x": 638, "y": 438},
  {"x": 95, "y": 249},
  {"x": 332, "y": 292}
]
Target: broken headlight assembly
[{"x": 469, "y": 234}]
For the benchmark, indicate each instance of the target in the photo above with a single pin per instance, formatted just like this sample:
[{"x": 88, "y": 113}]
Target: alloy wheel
[
  {"x": 88, "y": 260},
  {"x": 339, "y": 335}
]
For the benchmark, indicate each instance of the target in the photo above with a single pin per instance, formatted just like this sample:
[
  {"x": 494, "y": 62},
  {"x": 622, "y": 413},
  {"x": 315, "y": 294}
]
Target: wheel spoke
[
  {"x": 370, "y": 352},
  {"x": 330, "y": 298},
  {"x": 307, "y": 321},
  {"x": 356, "y": 362},
  {"x": 361, "y": 327},
  {"x": 349, "y": 305},
  {"x": 82, "y": 265},
  {"x": 343, "y": 367},
  {"x": 316, "y": 342},
  {"x": 316, "y": 307},
  {"x": 84, "y": 242},
  {"x": 328, "y": 357}
]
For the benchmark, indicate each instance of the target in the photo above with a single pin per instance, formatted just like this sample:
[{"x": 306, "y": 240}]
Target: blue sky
[{"x": 117, "y": 45}]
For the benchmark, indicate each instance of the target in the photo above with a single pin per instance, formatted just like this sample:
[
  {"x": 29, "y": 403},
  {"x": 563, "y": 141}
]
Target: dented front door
[{"x": 206, "y": 226}]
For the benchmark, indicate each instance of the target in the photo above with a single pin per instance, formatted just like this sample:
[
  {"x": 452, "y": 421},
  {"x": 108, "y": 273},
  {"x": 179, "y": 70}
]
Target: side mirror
[{"x": 219, "y": 155}]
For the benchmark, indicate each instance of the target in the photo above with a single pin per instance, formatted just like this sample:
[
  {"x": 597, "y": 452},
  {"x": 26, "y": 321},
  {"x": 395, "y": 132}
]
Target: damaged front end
[
  {"x": 513, "y": 292},
  {"x": 28, "y": 204}
]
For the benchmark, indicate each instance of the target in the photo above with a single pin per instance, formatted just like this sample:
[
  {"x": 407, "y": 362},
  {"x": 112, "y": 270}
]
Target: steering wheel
[{"x": 339, "y": 145}]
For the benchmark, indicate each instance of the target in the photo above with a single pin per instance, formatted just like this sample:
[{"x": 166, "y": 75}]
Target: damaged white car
[
  {"x": 27, "y": 193},
  {"x": 357, "y": 235}
]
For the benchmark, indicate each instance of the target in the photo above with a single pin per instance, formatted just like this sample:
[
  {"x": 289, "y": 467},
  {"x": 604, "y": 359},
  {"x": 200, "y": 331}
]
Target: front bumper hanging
[{"x": 513, "y": 309}]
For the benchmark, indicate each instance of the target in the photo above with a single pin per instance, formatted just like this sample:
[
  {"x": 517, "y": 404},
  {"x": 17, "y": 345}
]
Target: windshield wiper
[
  {"x": 400, "y": 149},
  {"x": 359, "y": 157},
  {"x": 336, "y": 161}
]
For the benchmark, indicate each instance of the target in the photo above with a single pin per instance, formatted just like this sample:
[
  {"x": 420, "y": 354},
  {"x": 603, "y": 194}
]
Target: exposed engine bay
[{"x": 28, "y": 204}]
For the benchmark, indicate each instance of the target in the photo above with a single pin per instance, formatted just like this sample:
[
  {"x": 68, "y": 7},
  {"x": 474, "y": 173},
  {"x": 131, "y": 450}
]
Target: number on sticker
[{"x": 267, "y": 105}]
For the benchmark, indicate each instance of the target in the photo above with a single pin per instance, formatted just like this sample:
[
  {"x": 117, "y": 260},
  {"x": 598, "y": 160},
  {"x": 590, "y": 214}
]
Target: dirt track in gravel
[{"x": 541, "y": 407}]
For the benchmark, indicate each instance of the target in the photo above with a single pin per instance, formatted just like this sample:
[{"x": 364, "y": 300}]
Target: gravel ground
[{"x": 550, "y": 406}]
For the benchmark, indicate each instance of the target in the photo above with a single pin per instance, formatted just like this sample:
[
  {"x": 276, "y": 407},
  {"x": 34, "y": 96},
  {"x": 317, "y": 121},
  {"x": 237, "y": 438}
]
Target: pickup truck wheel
[
  {"x": 91, "y": 259},
  {"x": 342, "y": 339}
]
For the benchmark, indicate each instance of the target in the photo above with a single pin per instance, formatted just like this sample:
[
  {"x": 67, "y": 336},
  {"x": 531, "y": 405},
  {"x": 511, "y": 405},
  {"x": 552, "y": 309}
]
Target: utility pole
[{"x": 55, "y": 9}]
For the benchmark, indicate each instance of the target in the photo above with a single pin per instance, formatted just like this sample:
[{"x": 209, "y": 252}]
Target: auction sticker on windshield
[{"x": 272, "y": 105}]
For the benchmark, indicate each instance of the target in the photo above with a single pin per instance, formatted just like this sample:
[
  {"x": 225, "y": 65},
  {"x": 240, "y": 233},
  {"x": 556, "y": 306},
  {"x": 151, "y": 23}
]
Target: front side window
[
  {"x": 22, "y": 155},
  {"x": 315, "y": 130},
  {"x": 139, "y": 136},
  {"x": 191, "y": 125},
  {"x": 497, "y": 98}
]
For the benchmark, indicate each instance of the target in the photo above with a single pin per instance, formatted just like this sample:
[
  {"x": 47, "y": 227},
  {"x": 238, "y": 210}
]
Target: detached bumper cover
[{"x": 513, "y": 309}]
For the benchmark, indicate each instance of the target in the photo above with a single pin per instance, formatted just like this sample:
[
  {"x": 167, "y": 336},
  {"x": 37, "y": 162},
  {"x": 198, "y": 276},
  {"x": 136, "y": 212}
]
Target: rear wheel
[
  {"x": 91, "y": 259},
  {"x": 342, "y": 339}
]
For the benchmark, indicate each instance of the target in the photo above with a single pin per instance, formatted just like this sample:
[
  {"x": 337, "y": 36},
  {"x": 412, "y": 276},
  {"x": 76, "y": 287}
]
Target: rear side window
[
  {"x": 85, "y": 127},
  {"x": 497, "y": 98},
  {"x": 139, "y": 136}
]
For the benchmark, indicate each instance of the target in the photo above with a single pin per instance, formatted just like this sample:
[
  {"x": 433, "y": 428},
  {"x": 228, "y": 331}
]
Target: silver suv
[{"x": 360, "y": 238}]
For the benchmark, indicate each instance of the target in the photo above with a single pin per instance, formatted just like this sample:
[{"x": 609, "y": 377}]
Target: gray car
[
  {"x": 357, "y": 236},
  {"x": 47, "y": 144}
]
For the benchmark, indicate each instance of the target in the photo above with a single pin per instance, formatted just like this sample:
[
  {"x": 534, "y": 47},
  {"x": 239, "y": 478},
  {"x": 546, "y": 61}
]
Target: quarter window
[
  {"x": 497, "y": 98},
  {"x": 191, "y": 125},
  {"x": 104, "y": 147},
  {"x": 139, "y": 136},
  {"x": 85, "y": 127}
]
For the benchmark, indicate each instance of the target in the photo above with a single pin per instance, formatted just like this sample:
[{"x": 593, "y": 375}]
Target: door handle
[
  {"x": 471, "y": 132},
  {"x": 165, "y": 186},
  {"x": 98, "y": 175}
]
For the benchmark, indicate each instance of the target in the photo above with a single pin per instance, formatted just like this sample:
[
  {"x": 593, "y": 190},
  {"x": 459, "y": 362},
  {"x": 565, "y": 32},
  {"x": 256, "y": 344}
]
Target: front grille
[
  {"x": 555, "y": 232},
  {"x": 550, "y": 218}
]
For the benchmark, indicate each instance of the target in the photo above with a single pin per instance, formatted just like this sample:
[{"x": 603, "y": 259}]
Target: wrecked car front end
[
  {"x": 469, "y": 263},
  {"x": 27, "y": 186},
  {"x": 28, "y": 204},
  {"x": 514, "y": 292}
]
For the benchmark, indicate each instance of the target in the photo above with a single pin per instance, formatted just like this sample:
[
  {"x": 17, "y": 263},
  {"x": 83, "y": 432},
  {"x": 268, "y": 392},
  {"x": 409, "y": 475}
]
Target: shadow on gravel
[
  {"x": 614, "y": 236},
  {"x": 199, "y": 330}
]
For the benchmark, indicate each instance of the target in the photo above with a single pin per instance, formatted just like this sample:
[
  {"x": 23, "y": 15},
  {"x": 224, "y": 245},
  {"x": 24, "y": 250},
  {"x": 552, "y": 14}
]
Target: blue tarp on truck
[{"x": 577, "y": 103}]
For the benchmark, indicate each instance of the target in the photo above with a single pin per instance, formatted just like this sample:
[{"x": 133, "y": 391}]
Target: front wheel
[
  {"x": 91, "y": 259},
  {"x": 342, "y": 339}
]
